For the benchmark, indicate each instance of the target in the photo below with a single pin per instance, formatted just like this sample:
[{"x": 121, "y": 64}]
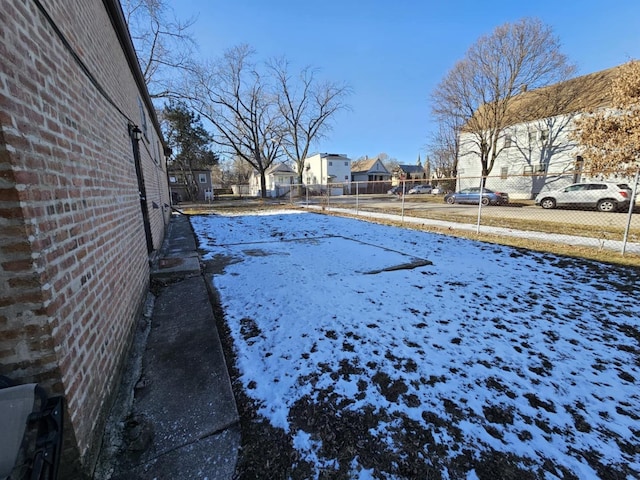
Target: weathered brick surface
[{"x": 73, "y": 256}]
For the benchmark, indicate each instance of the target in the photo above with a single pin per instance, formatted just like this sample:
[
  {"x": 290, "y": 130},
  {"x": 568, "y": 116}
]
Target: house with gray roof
[
  {"x": 411, "y": 174},
  {"x": 279, "y": 178}
]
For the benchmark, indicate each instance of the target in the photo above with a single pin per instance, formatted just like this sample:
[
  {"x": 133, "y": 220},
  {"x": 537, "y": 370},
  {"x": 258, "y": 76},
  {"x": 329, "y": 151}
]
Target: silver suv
[{"x": 605, "y": 196}]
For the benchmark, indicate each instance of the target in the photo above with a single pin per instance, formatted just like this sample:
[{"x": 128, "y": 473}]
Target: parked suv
[
  {"x": 605, "y": 196},
  {"x": 420, "y": 189}
]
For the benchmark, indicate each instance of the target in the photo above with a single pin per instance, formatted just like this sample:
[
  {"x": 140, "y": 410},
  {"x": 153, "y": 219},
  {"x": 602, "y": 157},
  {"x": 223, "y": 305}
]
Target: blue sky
[{"x": 394, "y": 53}]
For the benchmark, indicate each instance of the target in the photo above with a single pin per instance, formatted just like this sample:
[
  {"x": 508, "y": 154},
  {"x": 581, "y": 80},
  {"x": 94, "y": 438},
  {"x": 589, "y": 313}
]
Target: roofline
[
  {"x": 116, "y": 15},
  {"x": 325, "y": 155}
]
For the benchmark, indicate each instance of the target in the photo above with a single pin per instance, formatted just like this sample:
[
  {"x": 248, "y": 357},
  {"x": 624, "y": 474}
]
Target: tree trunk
[{"x": 263, "y": 185}]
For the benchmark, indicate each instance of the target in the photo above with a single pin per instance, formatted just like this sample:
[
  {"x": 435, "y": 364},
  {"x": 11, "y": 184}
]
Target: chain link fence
[{"x": 520, "y": 216}]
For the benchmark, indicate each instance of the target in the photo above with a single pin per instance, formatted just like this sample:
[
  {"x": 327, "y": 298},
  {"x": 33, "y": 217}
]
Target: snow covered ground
[{"x": 454, "y": 358}]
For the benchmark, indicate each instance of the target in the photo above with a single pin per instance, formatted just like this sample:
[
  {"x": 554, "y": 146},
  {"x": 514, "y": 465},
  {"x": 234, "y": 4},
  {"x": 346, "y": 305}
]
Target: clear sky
[{"x": 393, "y": 53}]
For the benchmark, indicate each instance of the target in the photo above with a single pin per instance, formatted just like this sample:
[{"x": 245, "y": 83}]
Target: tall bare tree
[
  {"x": 307, "y": 105},
  {"x": 610, "y": 138},
  {"x": 235, "y": 97},
  {"x": 479, "y": 89},
  {"x": 163, "y": 43}
]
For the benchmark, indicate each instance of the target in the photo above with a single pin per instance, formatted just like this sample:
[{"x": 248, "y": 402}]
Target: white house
[
  {"x": 536, "y": 151},
  {"x": 279, "y": 179},
  {"x": 324, "y": 170}
]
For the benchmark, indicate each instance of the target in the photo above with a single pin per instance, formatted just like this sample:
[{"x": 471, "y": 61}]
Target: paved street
[{"x": 525, "y": 212}]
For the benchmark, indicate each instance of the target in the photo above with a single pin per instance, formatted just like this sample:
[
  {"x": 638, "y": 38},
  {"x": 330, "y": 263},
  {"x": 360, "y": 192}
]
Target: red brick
[
  {"x": 9, "y": 195},
  {"x": 80, "y": 211},
  {"x": 22, "y": 247},
  {"x": 17, "y": 265}
]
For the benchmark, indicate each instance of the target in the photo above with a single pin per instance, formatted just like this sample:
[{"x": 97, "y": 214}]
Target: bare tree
[
  {"x": 306, "y": 105},
  {"x": 610, "y": 138},
  {"x": 233, "y": 95},
  {"x": 163, "y": 43},
  {"x": 479, "y": 89},
  {"x": 444, "y": 147}
]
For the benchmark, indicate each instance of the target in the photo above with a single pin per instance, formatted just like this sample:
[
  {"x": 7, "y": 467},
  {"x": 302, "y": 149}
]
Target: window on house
[
  {"x": 143, "y": 118},
  {"x": 528, "y": 169},
  {"x": 504, "y": 172},
  {"x": 173, "y": 179},
  {"x": 532, "y": 136},
  {"x": 540, "y": 168},
  {"x": 507, "y": 141},
  {"x": 202, "y": 178},
  {"x": 346, "y": 164},
  {"x": 577, "y": 173},
  {"x": 331, "y": 164},
  {"x": 346, "y": 177},
  {"x": 544, "y": 135}
]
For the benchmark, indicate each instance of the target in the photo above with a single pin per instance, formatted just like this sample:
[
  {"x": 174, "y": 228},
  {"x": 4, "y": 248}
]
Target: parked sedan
[
  {"x": 420, "y": 189},
  {"x": 605, "y": 196},
  {"x": 472, "y": 195}
]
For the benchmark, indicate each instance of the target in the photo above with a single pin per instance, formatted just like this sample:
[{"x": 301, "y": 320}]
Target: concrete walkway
[{"x": 178, "y": 415}]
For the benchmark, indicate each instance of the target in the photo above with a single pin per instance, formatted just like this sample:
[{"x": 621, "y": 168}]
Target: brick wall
[{"x": 74, "y": 266}]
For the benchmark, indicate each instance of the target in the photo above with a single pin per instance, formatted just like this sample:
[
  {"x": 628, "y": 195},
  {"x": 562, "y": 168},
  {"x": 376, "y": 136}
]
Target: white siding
[
  {"x": 323, "y": 168},
  {"x": 541, "y": 150}
]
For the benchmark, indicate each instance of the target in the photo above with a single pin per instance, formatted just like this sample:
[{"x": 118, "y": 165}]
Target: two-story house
[
  {"x": 192, "y": 186},
  {"x": 536, "y": 149},
  {"x": 324, "y": 171}
]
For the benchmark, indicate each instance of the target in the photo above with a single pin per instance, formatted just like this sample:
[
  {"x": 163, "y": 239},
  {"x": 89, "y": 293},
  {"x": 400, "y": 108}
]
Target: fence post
[
  {"x": 480, "y": 204},
  {"x": 404, "y": 192},
  {"x": 328, "y": 195},
  {"x": 632, "y": 204}
]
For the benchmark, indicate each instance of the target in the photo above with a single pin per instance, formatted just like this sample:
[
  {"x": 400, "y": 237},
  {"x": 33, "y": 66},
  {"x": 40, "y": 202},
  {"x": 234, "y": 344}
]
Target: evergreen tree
[{"x": 190, "y": 142}]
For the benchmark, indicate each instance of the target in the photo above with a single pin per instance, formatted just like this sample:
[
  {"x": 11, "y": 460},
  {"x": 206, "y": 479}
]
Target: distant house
[
  {"x": 324, "y": 170},
  {"x": 279, "y": 179},
  {"x": 412, "y": 174},
  {"x": 371, "y": 175},
  {"x": 536, "y": 152},
  {"x": 195, "y": 186}
]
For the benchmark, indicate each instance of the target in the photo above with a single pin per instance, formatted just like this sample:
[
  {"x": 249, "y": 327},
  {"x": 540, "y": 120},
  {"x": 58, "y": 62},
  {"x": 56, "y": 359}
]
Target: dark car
[{"x": 472, "y": 195}]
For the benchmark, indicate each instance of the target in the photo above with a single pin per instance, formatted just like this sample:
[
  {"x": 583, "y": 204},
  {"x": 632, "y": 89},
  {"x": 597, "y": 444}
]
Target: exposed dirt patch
[{"x": 219, "y": 262}]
